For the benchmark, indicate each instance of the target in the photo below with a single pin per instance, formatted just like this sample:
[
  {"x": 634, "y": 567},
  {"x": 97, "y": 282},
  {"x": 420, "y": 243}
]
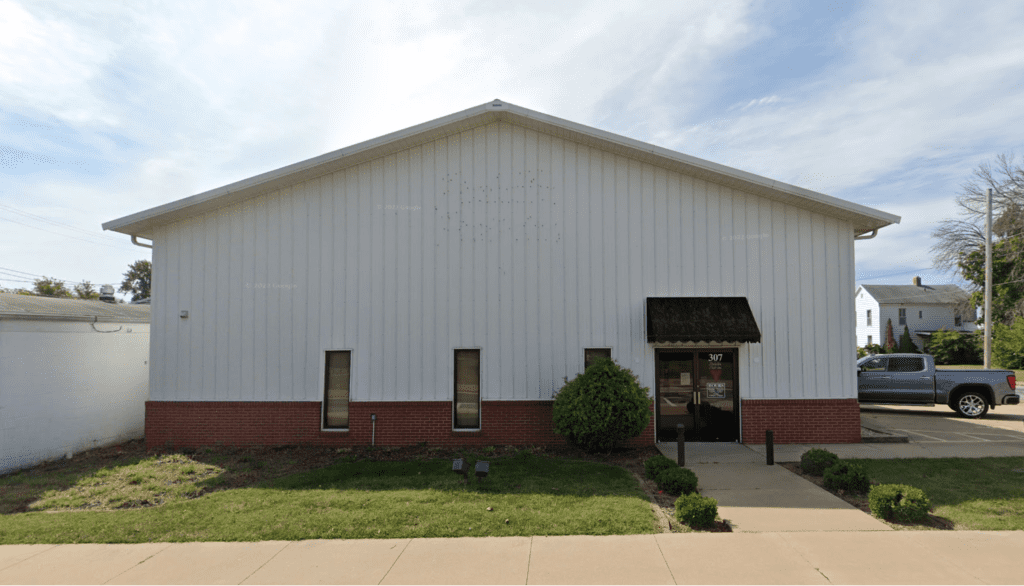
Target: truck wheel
[{"x": 971, "y": 405}]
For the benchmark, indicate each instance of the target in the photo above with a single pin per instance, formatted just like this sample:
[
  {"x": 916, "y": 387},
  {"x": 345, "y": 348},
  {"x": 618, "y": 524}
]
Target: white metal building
[
  {"x": 512, "y": 242},
  {"x": 74, "y": 375}
]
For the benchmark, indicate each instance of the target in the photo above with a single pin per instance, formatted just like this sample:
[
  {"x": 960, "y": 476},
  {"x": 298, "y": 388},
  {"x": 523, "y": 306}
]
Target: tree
[
  {"x": 890, "y": 341},
  {"x": 907, "y": 345},
  {"x": 601, "y": 407},
  {"x": 48, "y": 287},
  {"x": 1007, "y": 294},
  {"x": 85, "y": 290},
  {"x": 138, "y": 279},
  {"x": 960, "y": 242},
  {"x": 1008, "y": 345}
]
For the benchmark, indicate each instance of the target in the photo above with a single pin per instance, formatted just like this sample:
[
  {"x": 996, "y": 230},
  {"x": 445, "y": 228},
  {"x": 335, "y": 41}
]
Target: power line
[
  {"x": 98, "y": 243},
  {"x": 61, "y": 224}
]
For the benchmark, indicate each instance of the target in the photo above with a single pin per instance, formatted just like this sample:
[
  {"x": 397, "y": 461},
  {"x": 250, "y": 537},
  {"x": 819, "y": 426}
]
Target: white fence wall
[
  {"x": 527, "y": 246},
  {"x": 66, "y": 388}
]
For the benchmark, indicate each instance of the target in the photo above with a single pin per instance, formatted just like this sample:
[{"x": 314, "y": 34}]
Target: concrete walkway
[
  {"x": 755, "y": 497},
  {"x": 848, "y": 557}
]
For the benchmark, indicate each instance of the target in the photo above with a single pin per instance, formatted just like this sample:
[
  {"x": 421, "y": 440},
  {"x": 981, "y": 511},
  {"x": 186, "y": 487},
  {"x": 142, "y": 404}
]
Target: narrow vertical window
[
  {"x": 869, "y": 340},
  {"x": 869, "y": 317},
  {"x": 957, "y": 321},
  {"x": 467, "y": 389},
  {"x": 920, "y": 315},
  {"x": 591, "y": 355},
  {"x": 336, "y": 383},
  {"x": 903, "y": 316}
]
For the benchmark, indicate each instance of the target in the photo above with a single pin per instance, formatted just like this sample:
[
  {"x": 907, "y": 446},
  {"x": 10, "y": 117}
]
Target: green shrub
[
  {"x": 954, "y": 347},
  {"x": 898, "y": 502},
  {"x": 1008, "y": 345},
  {"x": 847, "y": 477},
  {"x": 906, "y": 343},
  {"x": 815, "y": 461},
  {"x": 600, "y": 408},
  {"x": 653, "y": 466},
  {"x": 696, "y": 510},
  {"x": 873, "y": 349},
  {"x": 677, "y": 480}
]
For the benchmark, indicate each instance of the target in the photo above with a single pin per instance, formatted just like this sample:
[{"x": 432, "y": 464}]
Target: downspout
[
  {"x": 137, "y": 243},
  {"x": 861, "y": 237}
]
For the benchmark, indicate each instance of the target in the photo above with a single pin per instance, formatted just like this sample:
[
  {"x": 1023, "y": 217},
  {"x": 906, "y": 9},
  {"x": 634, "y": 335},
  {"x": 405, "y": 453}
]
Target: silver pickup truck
[{"x": 911, "y": 379}]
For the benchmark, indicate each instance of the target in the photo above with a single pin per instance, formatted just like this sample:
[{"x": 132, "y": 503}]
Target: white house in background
[
  {"x": 74, "y": 375},
  {"x": 437, "y": 285},
  {"x": 924, "y": 309}
]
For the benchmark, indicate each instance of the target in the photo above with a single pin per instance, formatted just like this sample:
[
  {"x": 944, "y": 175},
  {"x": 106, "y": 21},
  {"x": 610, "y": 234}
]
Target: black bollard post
[
  {"x": 769, "y": 441},
  {"x": 680, "y": 445}
]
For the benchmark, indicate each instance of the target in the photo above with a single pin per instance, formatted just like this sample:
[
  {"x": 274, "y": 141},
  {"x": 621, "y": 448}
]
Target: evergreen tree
[
  {"x": 907, "y": 345},
  {"x": 890, "y": 340}
]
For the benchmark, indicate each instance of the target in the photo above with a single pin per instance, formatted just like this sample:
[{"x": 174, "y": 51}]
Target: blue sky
[{"x": 107, "y": 109}]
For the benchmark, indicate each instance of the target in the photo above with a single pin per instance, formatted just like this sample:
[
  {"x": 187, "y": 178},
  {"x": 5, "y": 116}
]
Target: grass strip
[
  {"x": 974, "y": 493},
  {"x": 527, "y": 495}
]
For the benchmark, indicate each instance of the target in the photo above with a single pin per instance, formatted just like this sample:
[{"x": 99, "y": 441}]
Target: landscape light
[
  {"x": 460, "y": 466},
  {"x": 482, "y": 468}
]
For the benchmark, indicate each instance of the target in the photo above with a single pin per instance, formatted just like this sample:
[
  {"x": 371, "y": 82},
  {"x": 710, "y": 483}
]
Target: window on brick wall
[
  {"x": 903, "y": 316},
  {"x": 467, "y": 389},
  {"x": 337, "y": 374},
  {"x": 591, "y": 355},
  {"x": 869, "y": 317}
]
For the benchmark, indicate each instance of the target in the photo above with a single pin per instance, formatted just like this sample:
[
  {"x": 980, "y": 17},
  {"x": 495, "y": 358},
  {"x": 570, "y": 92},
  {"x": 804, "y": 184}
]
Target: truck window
[
  {"x": 876, "y": 365},
  {"x": 905, "y": 364}
]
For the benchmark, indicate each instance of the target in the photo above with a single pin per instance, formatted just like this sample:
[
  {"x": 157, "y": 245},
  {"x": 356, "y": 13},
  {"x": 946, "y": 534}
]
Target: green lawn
[
  {"x": 974, "y": 493},
  {"x": 527, "y": 495}
]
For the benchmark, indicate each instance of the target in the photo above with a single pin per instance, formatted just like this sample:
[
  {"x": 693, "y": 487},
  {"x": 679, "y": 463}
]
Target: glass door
[
  {"x": 674, "y": 390},
  {"x": 697, "y": 389},
  {"x": 716, "y": 385}
]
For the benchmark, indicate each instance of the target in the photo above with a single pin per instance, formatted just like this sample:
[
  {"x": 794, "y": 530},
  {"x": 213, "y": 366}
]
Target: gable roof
[
  {"x": 923, "y": 294},
  {"x": 863, "y": 218},
  {"x": 14, "y": 306}
]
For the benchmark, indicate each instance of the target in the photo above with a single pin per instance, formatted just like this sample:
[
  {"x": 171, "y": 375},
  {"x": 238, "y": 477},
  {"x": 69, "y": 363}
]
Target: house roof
[
  {"x": 917, "y": 294},
  {"x": 864, "y": 219},
  {"x": 14, "y": 306}
]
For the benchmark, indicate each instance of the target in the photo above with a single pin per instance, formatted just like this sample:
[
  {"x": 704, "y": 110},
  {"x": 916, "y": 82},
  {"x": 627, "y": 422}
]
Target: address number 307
[{"x": 715, "y": 357}]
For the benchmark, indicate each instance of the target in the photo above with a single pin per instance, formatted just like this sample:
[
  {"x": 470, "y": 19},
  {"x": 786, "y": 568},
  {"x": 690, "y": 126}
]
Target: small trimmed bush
[
  {"x": 677, "y": 480},
  {"x": 815, "y": 461},
  {"x": 898, "y": 502},
  {"x": 602, "y": 407},
  {"x": 847, "y": 477},
  {"x": 696, "y": 510},
  {"x": 655, "y": 465}
]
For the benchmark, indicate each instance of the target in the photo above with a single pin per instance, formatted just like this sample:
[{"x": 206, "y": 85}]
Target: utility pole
[{"x": 988, "y": 279}]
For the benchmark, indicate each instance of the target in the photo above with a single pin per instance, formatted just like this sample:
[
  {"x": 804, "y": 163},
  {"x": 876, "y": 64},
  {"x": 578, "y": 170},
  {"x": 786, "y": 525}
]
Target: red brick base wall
[
  {"x": 801, "y": 421},
  {"x": 201, "y": 423}
]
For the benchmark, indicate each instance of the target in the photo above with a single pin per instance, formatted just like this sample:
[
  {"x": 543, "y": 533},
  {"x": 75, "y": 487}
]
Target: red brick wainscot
[
  {"x": 270, "y": 423},
  {"x": 801, "y": 421}
]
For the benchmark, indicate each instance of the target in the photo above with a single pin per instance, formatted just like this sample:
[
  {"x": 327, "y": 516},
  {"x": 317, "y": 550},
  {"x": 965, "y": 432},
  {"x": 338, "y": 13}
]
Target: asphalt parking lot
[{"x": 941, "y": 425}]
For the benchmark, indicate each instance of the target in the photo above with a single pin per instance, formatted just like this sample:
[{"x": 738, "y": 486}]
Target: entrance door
[{"x": 697, "y": 388}]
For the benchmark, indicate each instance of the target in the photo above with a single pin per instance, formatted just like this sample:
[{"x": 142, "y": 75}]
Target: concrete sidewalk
[
  {"x": 894, "y": 557},
  {"x": 755, "y": 497}
]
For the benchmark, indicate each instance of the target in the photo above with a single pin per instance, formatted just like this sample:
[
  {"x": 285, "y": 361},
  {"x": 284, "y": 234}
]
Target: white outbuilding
[
  {"x": 74, "y": 375},
  {"x": 438, "y": 284}
]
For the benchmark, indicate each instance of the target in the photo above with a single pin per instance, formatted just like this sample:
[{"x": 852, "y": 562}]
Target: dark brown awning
[{"x": 701, "y": 319}]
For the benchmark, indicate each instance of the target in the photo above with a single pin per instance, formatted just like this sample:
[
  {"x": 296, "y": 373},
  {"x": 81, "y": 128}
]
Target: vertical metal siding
[{"x": 525, "y": 245}]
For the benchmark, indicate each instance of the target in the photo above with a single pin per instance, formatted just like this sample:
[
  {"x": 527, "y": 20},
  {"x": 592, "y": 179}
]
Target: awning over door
[{"x": 701, "y": 319}]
